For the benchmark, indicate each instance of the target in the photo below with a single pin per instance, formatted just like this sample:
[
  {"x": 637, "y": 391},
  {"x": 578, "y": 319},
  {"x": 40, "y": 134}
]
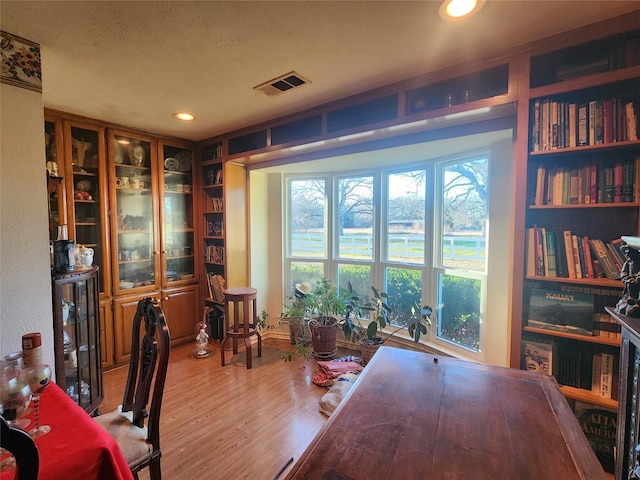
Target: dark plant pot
[
  {"x": 323, "y": 339},
  {"x": 368, "y": 347}
]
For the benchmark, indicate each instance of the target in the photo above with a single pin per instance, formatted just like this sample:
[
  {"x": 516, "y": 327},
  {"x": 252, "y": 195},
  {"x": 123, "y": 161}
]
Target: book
[
  {"x": 628, "y": 179},
  {"x": 618, "y": 181},
  {"x": 631, "y": 122},
  {"x": 568, "y": 248},
  {"x": 606, "y": 375},
  {"x": 600, "y": 251},
  {"x": 537, "y": 356},
  {"x": 587, "y": 257},
  {"x": 599, "y": 425},
  {"x": 583, "y": 128},
  {"x": 561, "y": 256},
  {"x": 551, "y": 269},
  {"x": 569, "y": 312},
  {"x": 531, "y": 252},
  {"x": 576, "y": 256},
  {"x": 596, "y": 368}
]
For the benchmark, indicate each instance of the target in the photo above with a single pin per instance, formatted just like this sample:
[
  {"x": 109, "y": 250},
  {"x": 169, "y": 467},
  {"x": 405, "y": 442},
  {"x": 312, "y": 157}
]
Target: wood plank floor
[{"x": 228, "y": 422}]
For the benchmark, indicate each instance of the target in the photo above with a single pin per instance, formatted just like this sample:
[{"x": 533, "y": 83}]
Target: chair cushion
[{"x": 131, "y": 439}]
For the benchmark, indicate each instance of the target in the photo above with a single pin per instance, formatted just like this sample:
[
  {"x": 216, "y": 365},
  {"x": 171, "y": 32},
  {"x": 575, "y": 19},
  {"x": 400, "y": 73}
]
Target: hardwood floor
[{"x": 228, "y": 422}]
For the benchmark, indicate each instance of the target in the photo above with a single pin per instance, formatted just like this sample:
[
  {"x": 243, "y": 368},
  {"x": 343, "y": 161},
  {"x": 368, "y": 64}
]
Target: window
[
  {"x": 417, "y": 229},
  {"x": 462, "y": 250}
]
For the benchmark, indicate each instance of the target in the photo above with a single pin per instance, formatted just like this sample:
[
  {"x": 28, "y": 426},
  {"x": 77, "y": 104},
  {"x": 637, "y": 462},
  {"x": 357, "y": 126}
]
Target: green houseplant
[
  {"x": 320, "y": 309},
  {"x": 378, "y": 309},
  {"x": 324, "y": 304}
]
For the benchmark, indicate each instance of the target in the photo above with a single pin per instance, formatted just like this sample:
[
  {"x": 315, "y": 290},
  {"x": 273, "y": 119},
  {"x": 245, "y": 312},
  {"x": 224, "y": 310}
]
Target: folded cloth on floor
[
  {"x": 328, "y": 372},
  {"x": 336, "y": 393}
]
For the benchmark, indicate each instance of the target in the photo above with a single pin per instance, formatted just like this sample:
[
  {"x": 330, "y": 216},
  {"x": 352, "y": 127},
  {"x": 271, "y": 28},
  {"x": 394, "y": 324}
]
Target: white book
[{"x": 606, "y": 375}]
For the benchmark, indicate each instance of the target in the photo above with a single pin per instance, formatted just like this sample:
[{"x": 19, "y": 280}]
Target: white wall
[{"x": 25, "y": 275}]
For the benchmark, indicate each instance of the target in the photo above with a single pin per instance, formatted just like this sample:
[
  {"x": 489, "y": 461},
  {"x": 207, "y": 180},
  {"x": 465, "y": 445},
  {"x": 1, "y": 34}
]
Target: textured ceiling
[{"x": 135, "y": 63}]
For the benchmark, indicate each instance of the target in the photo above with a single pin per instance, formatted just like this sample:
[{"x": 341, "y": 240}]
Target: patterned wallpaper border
[{"x": 21, "y": 64}]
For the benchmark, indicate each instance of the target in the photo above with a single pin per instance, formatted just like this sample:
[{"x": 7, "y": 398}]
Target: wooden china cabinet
[
  {"x": 128, "y": 195},
  {"x": 152, "y": 232}
]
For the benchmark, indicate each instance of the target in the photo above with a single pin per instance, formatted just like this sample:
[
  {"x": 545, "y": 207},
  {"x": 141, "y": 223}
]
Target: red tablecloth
[{"x": 76, "y": 447}]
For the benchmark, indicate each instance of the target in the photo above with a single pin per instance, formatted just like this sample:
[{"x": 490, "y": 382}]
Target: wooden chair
[
  {"x": 23, "y": 448},
  {"x": 147, "y": 372}
]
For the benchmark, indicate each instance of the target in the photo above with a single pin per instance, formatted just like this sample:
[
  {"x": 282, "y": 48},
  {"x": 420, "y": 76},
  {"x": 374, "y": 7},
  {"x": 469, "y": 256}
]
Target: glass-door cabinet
[
  {"x": 135, "y": 253},
  {"x": 76, "y": 330},
  {"x": 86, "y": 183},
  {"x": 54, "y": 155},
  {"x": 176, "y": 213}
]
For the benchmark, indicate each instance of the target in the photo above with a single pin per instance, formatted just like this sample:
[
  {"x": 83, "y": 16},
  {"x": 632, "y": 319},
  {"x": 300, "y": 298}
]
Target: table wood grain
[{"x": 412, "y": 415}]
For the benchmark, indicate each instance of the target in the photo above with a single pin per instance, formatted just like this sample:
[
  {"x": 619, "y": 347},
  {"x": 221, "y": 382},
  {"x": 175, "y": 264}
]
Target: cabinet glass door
[
  {"x": 176, "y": 214},
  {"x": 77, "y": 334},
  {"x": 55, "y": 175},
  {"x": 135, "y": 262},
  {"x": 86, "y": 189}
]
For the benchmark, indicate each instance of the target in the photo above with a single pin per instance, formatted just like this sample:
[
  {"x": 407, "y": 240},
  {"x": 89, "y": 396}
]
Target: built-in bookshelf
[
  {"x": 212, "y": 168},
  {"x": 583, "y": 194}
]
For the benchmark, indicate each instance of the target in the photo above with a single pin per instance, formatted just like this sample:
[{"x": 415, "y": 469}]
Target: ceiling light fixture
[
  {"x": 457, "y": 9},
  {"x": 184, "y": 116}
]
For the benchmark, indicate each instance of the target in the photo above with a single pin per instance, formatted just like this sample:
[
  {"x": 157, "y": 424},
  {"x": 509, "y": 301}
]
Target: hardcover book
[
  {"x": 560, "y": 311},
  {"x": 599, "y": 425},
  {"x": 537, "y": 357}
]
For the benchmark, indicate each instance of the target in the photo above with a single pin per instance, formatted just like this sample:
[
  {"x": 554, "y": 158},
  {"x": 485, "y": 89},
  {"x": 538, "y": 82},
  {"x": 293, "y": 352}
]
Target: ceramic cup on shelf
[
  {"x": 134, "y": 182},
  {"x": 179, "y": 187},
  {"x": 122, "y": 181}
]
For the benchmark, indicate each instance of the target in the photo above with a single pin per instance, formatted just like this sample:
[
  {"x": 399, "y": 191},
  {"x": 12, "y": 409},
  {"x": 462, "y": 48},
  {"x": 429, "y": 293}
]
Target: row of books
[
  {"x": 213, "y": 204},
  {"x": 213, "y": 253},
  {"x": 614, "y": 181},
  {"x": 566, "y": 255},
  {"x": 579, "y": 366},
  {"x": 559, "y": 124}
]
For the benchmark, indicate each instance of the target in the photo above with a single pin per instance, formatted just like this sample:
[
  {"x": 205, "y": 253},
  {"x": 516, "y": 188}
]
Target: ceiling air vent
[{"x": 281, "y": 84}]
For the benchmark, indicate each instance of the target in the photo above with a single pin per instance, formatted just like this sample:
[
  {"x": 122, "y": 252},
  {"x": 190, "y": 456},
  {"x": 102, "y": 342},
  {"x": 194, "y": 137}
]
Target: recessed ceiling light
[
  {"x": 457, "y": 9},
  {"x": 184, "y": 116}
]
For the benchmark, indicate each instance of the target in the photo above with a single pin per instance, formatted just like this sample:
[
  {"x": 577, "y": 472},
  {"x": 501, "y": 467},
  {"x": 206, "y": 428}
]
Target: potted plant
[
  {"x": 295, "y": 312},
  {"x": 324, "y": 304},
  {"x": 378, "y": 305}
]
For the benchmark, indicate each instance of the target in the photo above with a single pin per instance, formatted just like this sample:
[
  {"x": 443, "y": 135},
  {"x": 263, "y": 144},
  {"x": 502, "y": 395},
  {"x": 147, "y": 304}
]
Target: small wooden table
[{"x": 416, "y": 416}]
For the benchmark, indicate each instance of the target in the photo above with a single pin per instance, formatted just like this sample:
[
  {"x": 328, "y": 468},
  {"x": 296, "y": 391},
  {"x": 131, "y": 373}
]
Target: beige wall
[{"x": 25, "y": 275}]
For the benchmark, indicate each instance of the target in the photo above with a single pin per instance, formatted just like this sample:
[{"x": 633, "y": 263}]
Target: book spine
[
  {"x": 535, "y": 133},
  {"x": 607, "y": 111},
  {"x": 631, "y": 122},
  {"x": 576, "y": 256},
  {"x": 572, "y": 125},
  {"x": 540, "y": 185},
  {"x": 608, "y": 183},
  {"x": 606, "y": 375},
  {"x": 561, "y": 256},
  {"x": 568, "y": 247},
  {"x": 551, "y": 255},
  {"x": 593, "y": 183},
  {"x": 596, "y": 374},
  {"x": 618, "y": 181},
  {"x": 574, "y": 185},
  {"x": 592, "y": 122},
  {"x": 587, "y": 257},
  {"x": 629, "y": 177},
  {"x": 583, "y": 127},
  {"x": 600, "y": 251}
]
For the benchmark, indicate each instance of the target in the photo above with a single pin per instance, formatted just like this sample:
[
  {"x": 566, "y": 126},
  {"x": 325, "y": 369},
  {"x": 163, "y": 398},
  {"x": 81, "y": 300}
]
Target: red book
[
  {"x": 593, "y": 184},
  {"x": 618, "y": 182}
]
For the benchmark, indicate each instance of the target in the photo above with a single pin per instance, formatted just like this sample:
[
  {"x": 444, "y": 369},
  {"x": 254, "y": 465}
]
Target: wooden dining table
[
  {"x": 76, "y": 448},
  {"x": 411, "y": 415}
]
